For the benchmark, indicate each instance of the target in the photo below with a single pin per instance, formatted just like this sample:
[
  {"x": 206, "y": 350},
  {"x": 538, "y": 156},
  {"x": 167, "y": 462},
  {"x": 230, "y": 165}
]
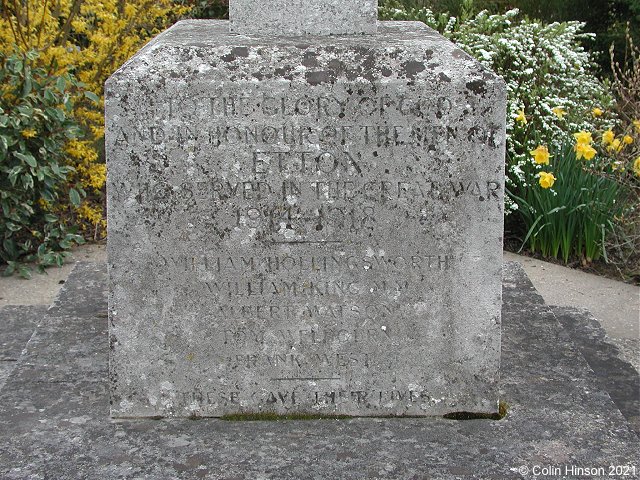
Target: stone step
[
  {"x": 70, "y": 341},
  {"x": 615, "y": 375},
  {"x": 17, "y": 325},
  {"x": 84, "y": 293}
]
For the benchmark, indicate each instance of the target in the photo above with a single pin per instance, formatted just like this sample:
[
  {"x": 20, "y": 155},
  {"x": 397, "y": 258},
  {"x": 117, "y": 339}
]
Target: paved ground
[
  {"x": 616, "y": 305},
  {"x": 43, "y": 288}
]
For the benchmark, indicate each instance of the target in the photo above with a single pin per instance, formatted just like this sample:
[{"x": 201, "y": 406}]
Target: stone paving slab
[
  {"x": 628, "y": 350},
  {"x": 615, "y": 376},
  {"x": 616, "y": 305},
  {"x": 84, "y": 293},
  {"x": 54, "y": 416},
  {"x": 17, "y": 324}
]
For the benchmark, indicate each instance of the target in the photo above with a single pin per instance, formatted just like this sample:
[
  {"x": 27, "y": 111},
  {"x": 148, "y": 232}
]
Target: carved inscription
[
  {"x": 282, "y": 264},
  {"x": 374, "y": 399},
  {"x": 304, "y": 225},
  {"x": 347, "y": 105},
  {"x": 302, "y": 166},
  {"x": 422, "y": 136},
  {"x": 289, "y": 337},
  {"x": 320, "y": 176}
]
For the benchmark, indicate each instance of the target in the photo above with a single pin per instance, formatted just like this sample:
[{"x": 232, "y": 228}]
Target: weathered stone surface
[
  {"x": 306, "y": 17},
  {"x": 615, "y": 375},
  {"x": 86, "y": 287},
  {"x": 304, "y": 226},
  {"x": 17, "y": 324},
  {"x": 54, "y": 419}
]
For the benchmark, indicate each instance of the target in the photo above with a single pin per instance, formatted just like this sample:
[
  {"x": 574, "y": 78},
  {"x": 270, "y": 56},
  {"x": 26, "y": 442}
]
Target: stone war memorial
[
  {"x": 305, "y": 217},
  {"x": 305, "y": 223}
]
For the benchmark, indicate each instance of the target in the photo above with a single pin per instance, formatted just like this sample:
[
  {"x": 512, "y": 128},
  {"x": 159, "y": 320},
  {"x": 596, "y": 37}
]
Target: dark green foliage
[
  {"x": 208, "y": 8},
  {"x": 606, "y": 18},
  {"x": 34, "y": 126},
  {"x": 456, "y": 8},
  {"x": 573, "y": 218}
]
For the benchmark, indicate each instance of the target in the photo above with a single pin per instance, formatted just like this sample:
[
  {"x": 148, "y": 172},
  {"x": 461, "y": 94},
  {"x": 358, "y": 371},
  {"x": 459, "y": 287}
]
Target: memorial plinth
[{"x": 304, "y": 225}]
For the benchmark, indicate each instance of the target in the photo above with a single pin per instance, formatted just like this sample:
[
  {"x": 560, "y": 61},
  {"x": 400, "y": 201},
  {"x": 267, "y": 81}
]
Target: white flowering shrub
[
  {"x": 551, "y": 82},
  {"x": 394, "y": 10}
]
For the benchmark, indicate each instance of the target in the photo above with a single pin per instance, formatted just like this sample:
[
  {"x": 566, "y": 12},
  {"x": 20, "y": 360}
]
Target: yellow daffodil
[
  {"x": 636, "y": 124},
  {"x": 636, "y": 166},
  {"x": 541, "y": 155},
  {"x": 583, "y": 137},
  {"x": 627, "y": 140},
  {"x": 615, "y": 146},
  {"x": 28, "y": 133},
  {"x": 559, "y": 112},
  {"x": 589, "y": 152},
  {"x": 521, "y": 117},
  {"x": 546, "y": 180},
  {"x": 585, "y": 150},
  {"x": 597, "y": 112},
  {"x": 608, "y": 137}
]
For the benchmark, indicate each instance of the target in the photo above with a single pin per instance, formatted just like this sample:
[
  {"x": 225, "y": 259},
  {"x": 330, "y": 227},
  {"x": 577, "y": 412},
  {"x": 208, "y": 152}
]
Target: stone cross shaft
[{"x": 303, "y": 17}]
